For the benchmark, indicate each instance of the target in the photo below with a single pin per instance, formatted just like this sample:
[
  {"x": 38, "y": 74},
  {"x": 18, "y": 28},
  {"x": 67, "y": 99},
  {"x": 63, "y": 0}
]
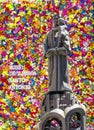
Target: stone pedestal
[
  {"x": 61, "y": 111},
  {"x": 75, "y": 117}
]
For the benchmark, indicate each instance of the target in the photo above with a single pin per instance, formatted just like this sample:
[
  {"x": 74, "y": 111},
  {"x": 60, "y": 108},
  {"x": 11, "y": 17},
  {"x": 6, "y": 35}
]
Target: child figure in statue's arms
[{"x": 63, "y": 40}]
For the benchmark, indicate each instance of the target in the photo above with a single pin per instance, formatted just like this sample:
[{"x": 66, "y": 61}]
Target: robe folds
[{"x": 57, "y": 61}]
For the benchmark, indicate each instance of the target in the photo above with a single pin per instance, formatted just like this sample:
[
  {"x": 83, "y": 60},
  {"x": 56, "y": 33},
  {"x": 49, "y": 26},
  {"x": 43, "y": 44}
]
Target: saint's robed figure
[{"x": 57, "y": 48}]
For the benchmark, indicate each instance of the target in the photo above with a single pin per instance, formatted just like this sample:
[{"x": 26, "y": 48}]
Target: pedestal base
[{"x": 61, "y": 111}]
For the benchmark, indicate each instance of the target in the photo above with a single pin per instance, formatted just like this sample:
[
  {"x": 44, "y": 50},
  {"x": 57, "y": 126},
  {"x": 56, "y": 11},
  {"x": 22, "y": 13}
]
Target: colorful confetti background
[{"x": 23, "y": 28}]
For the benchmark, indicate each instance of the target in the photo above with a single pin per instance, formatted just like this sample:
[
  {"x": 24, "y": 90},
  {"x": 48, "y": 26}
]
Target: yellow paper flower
[
  {"x": 26, "y": 98},
  {"x": 5, "y": 73},
  {"x": 2, "y": 37},
  {"x": 12, "y": 25},
  {"x": 29, "y": 12},
  {"x": 84, "y": 19},
  {"x": 10, "y": 6},
  {"x": 22, "y": 14},
  {"x": 17, "y": 19}
]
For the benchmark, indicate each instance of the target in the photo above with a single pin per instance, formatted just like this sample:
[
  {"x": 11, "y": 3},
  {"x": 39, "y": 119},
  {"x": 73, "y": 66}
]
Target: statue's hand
[
  {"x": 62, "y": 51},
  {"x": 52, "y": 51},
  {"x": 48, "y": 54}
]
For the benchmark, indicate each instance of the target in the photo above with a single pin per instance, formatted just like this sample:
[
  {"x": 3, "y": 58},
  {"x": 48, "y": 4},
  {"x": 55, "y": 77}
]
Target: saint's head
[
  {"x": 55, "y": 20},
  {"x": 58, "y": 20}
]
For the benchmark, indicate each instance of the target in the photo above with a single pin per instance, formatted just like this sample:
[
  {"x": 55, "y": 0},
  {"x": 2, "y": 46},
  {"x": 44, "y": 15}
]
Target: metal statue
[
  {"x": 57, "y": 48},
  {"x": 60, "y": 109}
]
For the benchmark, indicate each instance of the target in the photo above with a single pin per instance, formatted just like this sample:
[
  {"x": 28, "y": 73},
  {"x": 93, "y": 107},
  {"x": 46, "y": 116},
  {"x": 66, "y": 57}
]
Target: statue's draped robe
[{"x": 57, "y": 65}]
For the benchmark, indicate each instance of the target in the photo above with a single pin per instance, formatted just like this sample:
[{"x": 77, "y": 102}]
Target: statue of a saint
[{"x": 57, "y": 48}]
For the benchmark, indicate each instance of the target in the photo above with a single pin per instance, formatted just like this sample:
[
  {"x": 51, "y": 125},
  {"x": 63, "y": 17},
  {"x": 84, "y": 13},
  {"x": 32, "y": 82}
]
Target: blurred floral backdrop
[{"x": 23, "y": 28}]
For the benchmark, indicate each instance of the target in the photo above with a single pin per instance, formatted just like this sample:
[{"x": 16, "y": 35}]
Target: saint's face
[{"x": 55, "y": 20}]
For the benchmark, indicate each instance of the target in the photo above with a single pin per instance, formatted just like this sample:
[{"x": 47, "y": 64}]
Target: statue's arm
[
  {"x": 45, "y": 47},
  {"x": 47, "y": 50},
  {"x": 62, "y": 51},
  {"x": 52, "y": 51}
]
